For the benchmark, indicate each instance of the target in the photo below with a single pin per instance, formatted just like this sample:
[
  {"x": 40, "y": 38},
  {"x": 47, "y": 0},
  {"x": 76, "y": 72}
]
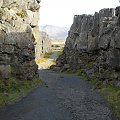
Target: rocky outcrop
[
  {"x": 43, "y": 43},
  {"x": 46, "y": 43},
  {"x": 93, "y": 45},
  {"x": 18, "y": 20}
]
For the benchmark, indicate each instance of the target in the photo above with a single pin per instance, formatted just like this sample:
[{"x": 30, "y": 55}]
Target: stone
[
  {"x": 93, "y": 45},
  {"x": 115, "y": 43},
  {"x": 46, "y": 43},
  {"x": 5, "y": 71},
  {"x": 38, "y": 1},
  {"x": 38, "y": 41},
  {"x": 33, "y": 5},
  {"x": 54, "y": 68},
  {"x": 66, "y": 66},
  {"x": 113, "y": 59},
  {"x": 4, "y": 59},
  {"x": 1, "y": 3},
  {"x": 32, "y": 18},
  {"x": 17, "y": 50}
]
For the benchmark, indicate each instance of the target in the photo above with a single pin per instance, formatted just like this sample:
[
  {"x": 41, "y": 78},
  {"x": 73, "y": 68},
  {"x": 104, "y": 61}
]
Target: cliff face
[
  {"x": 93, "y": 45},
  {"x": 18, "y": 20},
  {"x": 46, "y": 43}
]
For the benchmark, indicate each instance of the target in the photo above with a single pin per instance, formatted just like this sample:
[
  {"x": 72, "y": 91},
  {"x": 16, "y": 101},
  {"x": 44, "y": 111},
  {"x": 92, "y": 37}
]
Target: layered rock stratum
[
  {"x": 18, "y": 26},
  {"x": 93, "y": 45}
]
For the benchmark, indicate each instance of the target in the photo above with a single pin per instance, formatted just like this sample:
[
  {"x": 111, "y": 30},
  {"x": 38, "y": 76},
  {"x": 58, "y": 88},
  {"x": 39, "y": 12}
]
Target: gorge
[{"x": 92, "y": 48}]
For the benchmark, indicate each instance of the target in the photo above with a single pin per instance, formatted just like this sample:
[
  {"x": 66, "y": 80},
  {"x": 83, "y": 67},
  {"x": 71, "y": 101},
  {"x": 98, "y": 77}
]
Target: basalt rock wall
[
  {"x": 46, "y": 43},
  {"x": 18, "y": 21},
  {"x": 93, "y": 45}
]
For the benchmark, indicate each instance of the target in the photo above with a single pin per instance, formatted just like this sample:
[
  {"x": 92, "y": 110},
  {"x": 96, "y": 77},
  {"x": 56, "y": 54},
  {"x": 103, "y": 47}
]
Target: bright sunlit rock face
[{"x": 61, "y": 12}]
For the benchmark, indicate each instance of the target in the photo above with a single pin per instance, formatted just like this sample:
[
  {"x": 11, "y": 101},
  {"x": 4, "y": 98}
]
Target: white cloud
[{"x": 61, "y": 12}]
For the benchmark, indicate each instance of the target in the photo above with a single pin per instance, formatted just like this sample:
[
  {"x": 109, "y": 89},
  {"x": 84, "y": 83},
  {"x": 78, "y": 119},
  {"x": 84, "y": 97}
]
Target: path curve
[{"x": 61, "y": 97}]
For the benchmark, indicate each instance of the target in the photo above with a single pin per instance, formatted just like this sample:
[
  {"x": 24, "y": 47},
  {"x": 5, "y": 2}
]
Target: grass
[
  {"x": 12, "y": 89},
  {"x": 112, "y": 96},
  {"x": 41, "y": 60},
  {"x": 44, "y": 58},
  {"x": 47, "y": 55},
  {"x": 110, "y": 92},
  {"x": 21, "y": 13},
  {"x": 59, "y": 53}
]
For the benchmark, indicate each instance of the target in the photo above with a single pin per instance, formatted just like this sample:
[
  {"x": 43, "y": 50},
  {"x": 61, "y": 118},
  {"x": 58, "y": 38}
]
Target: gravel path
[{"x": 61, "y": 97}]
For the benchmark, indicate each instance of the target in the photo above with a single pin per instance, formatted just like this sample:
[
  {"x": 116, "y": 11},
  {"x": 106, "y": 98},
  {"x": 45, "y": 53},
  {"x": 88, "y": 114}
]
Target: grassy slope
[
  {"x": 12, "y": 90},
  {"x": 41, "y": 60},
  {"x": 109, "y": 92}
]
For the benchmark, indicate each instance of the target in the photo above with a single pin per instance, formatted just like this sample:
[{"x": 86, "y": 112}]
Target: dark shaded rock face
[
  {"x": 93, "y": 45},
  {"x": 17, "y": 51}
]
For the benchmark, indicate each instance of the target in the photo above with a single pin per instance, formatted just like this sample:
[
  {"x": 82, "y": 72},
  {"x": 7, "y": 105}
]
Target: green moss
[
  {"x": 21, "y": 13},
  {"x": 90, "y": 64},
  {"x": 12, "y": 90},
  {"x": 112, "y": 95},
  {"x": 82, "y": 73}
]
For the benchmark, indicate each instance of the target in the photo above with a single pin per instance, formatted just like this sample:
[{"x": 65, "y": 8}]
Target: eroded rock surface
[
  {"x": 93, "y": 45},
  {"x": 18, "y": 19}
]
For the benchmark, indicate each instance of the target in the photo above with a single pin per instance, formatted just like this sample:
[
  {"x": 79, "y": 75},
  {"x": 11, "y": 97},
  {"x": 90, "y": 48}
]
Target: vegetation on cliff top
[{"x": 21, "y": 13}]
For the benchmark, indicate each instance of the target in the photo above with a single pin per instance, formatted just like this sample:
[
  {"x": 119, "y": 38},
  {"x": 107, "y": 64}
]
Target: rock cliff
[
  {"x": 18, "y": 21},
  {"x": 46, "y": 43},
  {"x": 43, "y": 44},
  {"x": 93, "y": 45}
]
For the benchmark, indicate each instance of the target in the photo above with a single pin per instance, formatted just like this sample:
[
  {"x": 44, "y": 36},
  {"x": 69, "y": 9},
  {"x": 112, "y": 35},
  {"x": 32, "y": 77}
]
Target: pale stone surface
[{"x": 46, "y": 43}]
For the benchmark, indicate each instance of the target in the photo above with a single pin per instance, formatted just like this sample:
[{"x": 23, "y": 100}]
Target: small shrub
[{"x": 21, "y": 13}]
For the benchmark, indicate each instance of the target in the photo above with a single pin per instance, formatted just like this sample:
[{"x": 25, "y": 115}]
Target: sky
[{"x": 61, "y": 12}]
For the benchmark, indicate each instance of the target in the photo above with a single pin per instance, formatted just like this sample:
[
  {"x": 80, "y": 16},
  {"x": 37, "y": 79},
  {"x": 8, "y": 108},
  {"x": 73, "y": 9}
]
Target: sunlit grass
[
  {"x": 48, "y": 55},
  {"x": 46, "y": 61},
  {"x": 41, "y": 60}
]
